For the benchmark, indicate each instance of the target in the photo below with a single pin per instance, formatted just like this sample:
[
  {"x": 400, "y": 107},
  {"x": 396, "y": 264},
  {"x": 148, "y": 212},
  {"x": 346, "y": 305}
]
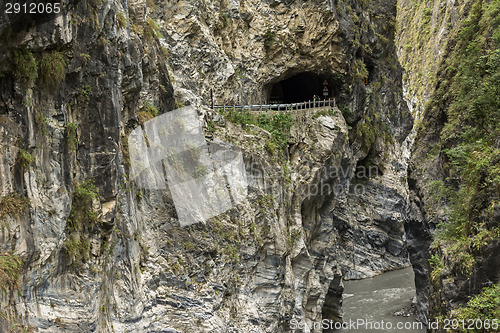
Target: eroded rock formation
[{"x": 101, "y": 254}]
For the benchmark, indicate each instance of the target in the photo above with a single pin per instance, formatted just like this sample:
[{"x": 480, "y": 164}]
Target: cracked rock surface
[{"x": 316, "y": 213}]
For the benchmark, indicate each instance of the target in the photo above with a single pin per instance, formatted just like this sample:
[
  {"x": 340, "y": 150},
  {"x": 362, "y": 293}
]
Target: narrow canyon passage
[{"x": 386, "y": 297}]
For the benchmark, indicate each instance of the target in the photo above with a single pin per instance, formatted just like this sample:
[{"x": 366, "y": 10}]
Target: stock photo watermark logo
[{"x": 204, "y": 178}]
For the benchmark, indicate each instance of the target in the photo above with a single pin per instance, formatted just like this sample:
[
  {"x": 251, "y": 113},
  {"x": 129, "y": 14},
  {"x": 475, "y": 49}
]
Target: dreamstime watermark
[{"x": 208, "y": 178}]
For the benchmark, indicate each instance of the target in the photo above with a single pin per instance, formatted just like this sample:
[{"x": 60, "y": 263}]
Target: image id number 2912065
[{"x": 32, "y": 8}]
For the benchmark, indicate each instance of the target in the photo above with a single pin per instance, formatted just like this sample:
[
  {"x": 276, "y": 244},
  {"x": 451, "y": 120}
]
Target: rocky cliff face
[
  {"x": 85, "y": 249},
  {"x": 452, "y": 229},
  {"x": 421, "y": 51}
]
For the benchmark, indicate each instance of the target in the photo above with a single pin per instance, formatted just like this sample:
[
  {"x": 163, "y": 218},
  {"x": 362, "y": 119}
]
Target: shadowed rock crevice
[{"x": 332, "y": 308}]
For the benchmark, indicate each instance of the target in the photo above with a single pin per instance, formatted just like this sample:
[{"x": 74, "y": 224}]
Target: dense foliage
[
  {"x": 12, "y": 205},
  {"x": 10, "y": 270},
  {"x": 81, "y": 218},
  {"x": 82, "y": 213},
  {"x": 277, "y": 124},
  {"x": 484, "y": 307},
  {"x": 26, "y": 68},
  {"x": 467, "y": 100},
  {"x": 52, "y": 68}
]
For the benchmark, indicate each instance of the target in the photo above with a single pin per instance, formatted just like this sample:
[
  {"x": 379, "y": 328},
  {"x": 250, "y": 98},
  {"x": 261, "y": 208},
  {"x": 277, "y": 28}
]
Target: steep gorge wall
[
  {"x": 449, "y": 50},
  {"x": 100, "y": 254},
  {"x": 69, "y": 124}
]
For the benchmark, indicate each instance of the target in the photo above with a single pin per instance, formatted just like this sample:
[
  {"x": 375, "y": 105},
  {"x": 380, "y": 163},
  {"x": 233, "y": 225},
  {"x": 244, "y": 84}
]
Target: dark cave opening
[
  {"x": 366, "y": 168},
  {"x": 301, "y": 87},
  {"x": 370, "y": 67}
]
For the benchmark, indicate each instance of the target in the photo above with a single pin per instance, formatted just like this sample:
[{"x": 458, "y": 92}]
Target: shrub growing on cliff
[
  {"x": 321, "y": 113},
  {"x": 82, "y": 213},
  {"x": 148, "y": 112},
  {"x": 85, "y": 93},
  {"x": 278, "y": 125},
  {"x": 52, "y": 68},
  {"x": 42, "y": 122},
  {"x": 12, "y": 205},
  {"x": 426, "y": 16},
  {"x": 149, "y": 108},
  {"x": 437, "y": 268},
  {"x": 24, "y": 158},
  {"x": 125, "y": 150},
  {"x": 367, "y": 132},
  {"x": 77, "y": 247},
  {"x": 10, "y": 271},
  {"x": 26, "y": 67},
  {"x": 121, "y": 20},
  {"x": 242, "y": 117},
  {"x": 152, "y": 30},
  {"x": 82, "y": 217},
  {"x": 71, "y": 135},
  {"x": 359, "y": 71},
  {"x": 484, "y": 307},
  {"x": 346, "y": 111}
]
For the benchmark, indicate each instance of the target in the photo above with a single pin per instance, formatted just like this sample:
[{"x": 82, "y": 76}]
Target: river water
[{"x": 368, "y": 302}]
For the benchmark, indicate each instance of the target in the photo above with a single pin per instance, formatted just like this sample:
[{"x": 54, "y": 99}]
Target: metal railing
[{"x": 280, "y": 107}]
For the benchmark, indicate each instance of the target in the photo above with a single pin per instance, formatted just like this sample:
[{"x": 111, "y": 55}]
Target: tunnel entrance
[{"x": 301, "y": 87}]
